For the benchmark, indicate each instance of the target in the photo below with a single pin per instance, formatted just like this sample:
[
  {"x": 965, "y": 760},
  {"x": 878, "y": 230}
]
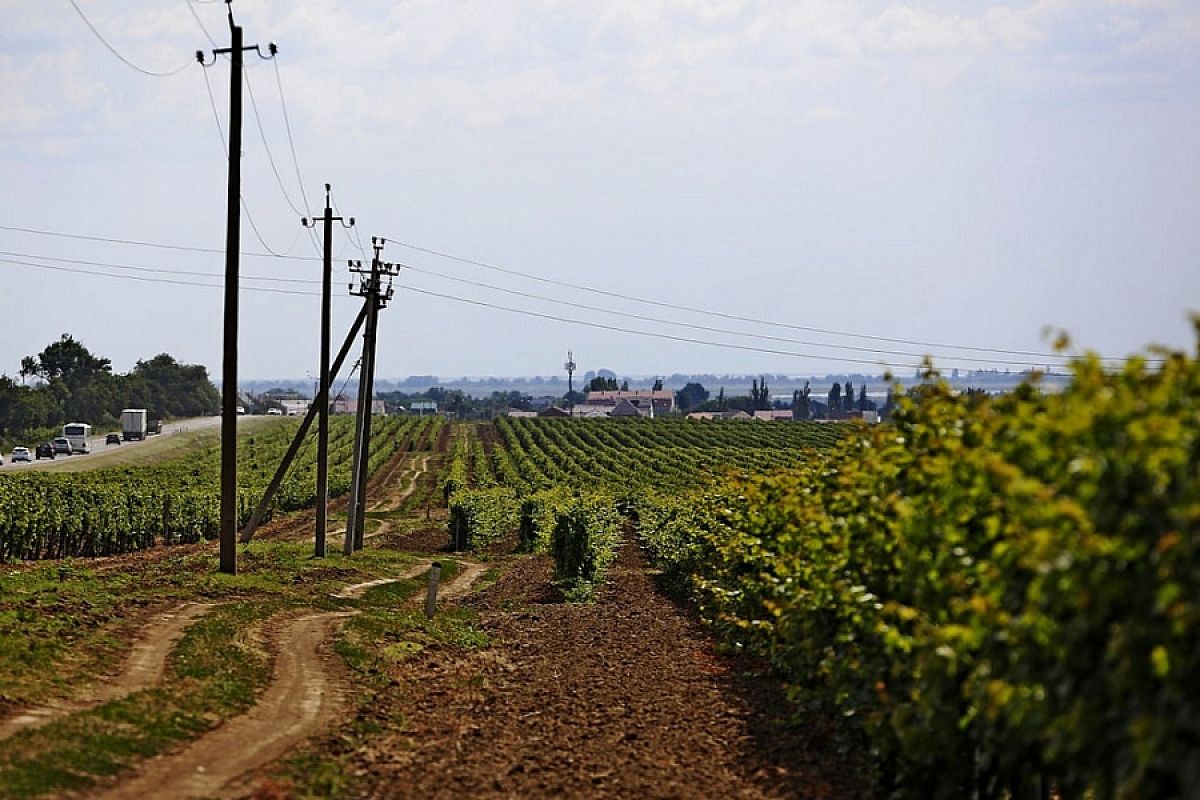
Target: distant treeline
[{"x": 73, "y": 385}]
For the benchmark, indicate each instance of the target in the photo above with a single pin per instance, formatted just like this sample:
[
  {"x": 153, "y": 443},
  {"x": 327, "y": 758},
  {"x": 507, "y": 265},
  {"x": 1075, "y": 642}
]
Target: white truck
[
  {"x": 79, "y": 434},
  {"x": 133, "y": 424}
]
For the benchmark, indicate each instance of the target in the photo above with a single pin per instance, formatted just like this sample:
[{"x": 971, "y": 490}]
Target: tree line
[{"x": 71, "y": 384}]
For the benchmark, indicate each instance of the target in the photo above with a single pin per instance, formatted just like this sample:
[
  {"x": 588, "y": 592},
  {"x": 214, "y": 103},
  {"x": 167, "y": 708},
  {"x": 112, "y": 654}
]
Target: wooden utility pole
[
  {"x": 323, "y": 392},
  {"x": 229, "y": 365},
  {"x": 378, "y": 297}
]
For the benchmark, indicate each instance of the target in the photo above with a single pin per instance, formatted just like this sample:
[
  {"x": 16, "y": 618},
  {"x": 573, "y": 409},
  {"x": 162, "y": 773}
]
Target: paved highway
[{"x": 101, "y": 452}]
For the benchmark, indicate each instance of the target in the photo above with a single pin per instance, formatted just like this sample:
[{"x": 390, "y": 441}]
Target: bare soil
[{"x": 626, "y": 697}]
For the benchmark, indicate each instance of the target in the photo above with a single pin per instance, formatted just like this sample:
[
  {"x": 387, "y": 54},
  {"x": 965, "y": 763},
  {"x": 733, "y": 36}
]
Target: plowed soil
[{"x": 625, "y": 697}]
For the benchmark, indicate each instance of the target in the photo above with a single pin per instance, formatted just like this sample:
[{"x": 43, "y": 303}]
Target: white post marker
[{"x": 435, "y": 574}]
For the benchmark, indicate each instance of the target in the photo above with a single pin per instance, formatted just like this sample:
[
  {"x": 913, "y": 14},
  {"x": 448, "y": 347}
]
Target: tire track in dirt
[
  {"x": 306, "y": 694},
  {"x": 144, "y": 668}
]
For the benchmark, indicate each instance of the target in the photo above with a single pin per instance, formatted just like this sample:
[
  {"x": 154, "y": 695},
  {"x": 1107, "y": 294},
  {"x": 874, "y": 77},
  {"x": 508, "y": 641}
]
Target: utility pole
[
  {"x": 322, "y": 398},
  {"x": 229, "y": 366},
  {"x": 370, "y": 287},
  {"x": 570, "y": 368},
  {"x": 323, "y": 392}
]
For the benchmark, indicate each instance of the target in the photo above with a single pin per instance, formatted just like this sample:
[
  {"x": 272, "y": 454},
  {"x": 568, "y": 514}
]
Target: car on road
[
  {"x": 112, "y": 438},
  {"x": 21, "y": 454},
  {"x": 44, "y": 450},
  {"x": 62, "y": 445}
]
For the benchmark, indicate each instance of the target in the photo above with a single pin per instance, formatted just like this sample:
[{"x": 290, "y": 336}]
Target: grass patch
[{"x": 213, "y": 675}]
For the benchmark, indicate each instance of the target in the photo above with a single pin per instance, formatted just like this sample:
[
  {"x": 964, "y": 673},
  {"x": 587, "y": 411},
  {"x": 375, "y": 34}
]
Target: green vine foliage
[{"x": 995, "y": 588}]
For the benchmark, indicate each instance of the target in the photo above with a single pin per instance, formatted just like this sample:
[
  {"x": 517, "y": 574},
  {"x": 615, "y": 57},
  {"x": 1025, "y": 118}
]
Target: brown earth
[{"x": 625, "y": 697}]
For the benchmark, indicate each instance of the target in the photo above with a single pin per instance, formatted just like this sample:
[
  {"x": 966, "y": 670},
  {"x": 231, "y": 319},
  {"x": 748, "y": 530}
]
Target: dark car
[
  {"x": 44, "y": 450},
  {"x": 112, "y": 438}
]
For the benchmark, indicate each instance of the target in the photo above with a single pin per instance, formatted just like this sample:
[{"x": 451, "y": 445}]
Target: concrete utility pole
[
  {"x": 229, "y": 367},
  {"x": 372, "y": 288},
  {"x": 323, "y": 391}
]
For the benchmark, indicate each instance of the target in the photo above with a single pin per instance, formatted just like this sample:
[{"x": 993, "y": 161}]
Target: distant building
[
  {"x": 662, "y": 402},
  {"x": 344, "y": 406},
  {"x": 294, "y": 408},
  {"x": 553, "y": 411},
  {"x": 626, "y": 408},
  {"x": 423, "y": 407},
  {"x": 719, "y": 415},
  {"x": 774, "y": 415}
]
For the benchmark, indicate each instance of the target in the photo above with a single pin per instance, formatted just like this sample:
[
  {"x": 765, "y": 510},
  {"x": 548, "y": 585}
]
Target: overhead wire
[
  {"x": 947, "y": 363},
  {"x": 668, "y": 336},
  {"x": 287, "y": 124},
  {"x": 212, "y": 102},
  {"x": 171, "y": 281},
  {"x": 533, "y": 296},
  {"x": 96, "y": 32},
  {"x": 706, "y": 328},
  {"x": 143, "y": 243},
  {"x": 713, "y": 312},
  {"x": 153, "y": 270},
  {"x": 496, "y": 306},
  {"x": 200, "y": 22}
]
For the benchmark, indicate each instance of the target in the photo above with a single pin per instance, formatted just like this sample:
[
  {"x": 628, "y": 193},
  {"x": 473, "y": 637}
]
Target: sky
[{"x": 805, "y": 187}]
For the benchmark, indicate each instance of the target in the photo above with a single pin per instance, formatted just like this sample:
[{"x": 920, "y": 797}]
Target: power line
[
  {"x": 527, "y": 295},
  {"x": 123, "y": 59},
  {"x": 141, "y": 279},
  {"x": 533, "y": 296},
  {"x": 523, "y": 312},
  {"x": 714, "y": 313},
  {"x": 707, "y": 328},
  {"x": 150, "y": 270},
  {"x": 199, "y": 21},
  {"x": 287, "y": 124},
  {"x": 270, "y": 158},
  {"x": 667, "y": 336},
  {"x": 212, "y": 102},
  {"x": 141, "y": 243}
]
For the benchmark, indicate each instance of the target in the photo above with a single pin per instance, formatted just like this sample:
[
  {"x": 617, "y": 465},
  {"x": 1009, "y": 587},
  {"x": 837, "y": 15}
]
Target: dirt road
[
  {"x": 143, "y": 668},
  {"x": 304, "y": 695},
  {"x": 623, "y": 698}
]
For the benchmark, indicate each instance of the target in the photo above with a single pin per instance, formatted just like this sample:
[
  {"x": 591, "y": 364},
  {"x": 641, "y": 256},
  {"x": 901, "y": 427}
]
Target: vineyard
[
  {"x": 109, "y": 511},
  {"x": 563, "y": 485},
  {"x": 1002, "y": 593}
]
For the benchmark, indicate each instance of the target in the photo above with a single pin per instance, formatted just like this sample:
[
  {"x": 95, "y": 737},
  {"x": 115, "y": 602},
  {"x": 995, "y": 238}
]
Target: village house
[{"x": 644, "y": 400}]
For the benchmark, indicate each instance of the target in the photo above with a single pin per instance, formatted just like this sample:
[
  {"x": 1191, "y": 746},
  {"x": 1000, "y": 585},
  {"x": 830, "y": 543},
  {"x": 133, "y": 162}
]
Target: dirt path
[
  {"x": 303, "y": 696},
  {"x": 469, "y": 573},
  {"x": 357, "y": 590},
  {"x": 306, "y": 694},
  {"x": 626, "y": 697},
  {"x": 143, "y": 668},
  {"x": 393, "y": 502}
]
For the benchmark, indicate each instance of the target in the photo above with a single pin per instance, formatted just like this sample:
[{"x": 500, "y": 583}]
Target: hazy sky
[{"x": 951, "y": 173}]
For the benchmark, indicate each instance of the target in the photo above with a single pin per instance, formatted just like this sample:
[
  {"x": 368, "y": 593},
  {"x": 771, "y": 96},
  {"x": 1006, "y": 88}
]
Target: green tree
[
  {"x": 835, "y": 398},
  {"x": 801, "y": 405},
  {"x": 602, "y": 384},
  {"x": 690, "y": 396},
  {"x": 69, "y": 361}
]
